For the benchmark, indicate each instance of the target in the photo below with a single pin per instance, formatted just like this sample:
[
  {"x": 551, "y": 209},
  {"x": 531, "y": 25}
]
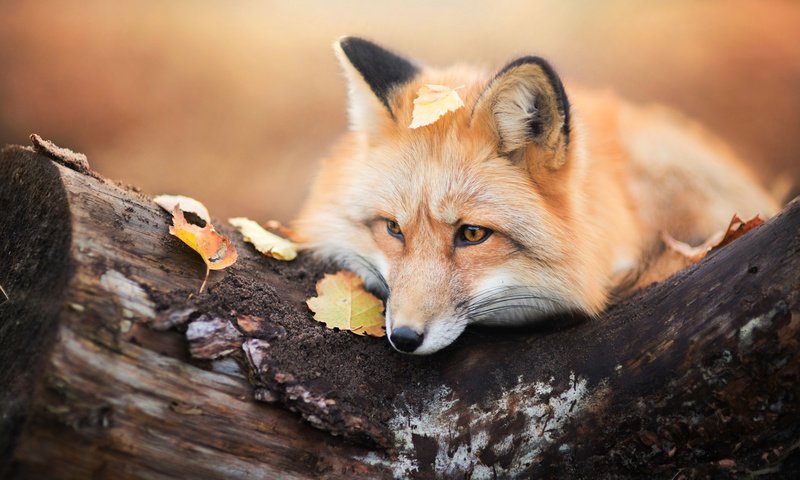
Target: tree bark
[{"x": 114, "y": 367}]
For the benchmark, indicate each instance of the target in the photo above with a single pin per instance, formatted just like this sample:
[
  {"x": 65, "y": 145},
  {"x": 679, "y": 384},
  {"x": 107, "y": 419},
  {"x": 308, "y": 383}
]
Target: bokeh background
[{"x": 233, "y": 102}]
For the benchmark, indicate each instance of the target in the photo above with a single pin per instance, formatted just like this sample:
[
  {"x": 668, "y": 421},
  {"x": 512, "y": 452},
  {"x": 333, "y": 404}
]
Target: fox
[{"x": 525, "y": 204}]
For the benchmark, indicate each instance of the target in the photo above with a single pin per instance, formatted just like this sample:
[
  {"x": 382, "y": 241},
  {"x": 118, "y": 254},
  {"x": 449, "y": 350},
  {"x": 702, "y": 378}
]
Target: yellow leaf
[
  {"x": 432, "y": 102},
  {"x": 265, "y": 242},
  {"x": 343, "y": 303},
  {"x": 216, "y": 250}
]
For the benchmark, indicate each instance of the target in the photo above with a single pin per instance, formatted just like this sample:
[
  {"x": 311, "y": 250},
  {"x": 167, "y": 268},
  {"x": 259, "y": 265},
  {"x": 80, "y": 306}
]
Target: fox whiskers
[{"x": 514, "y": 304}]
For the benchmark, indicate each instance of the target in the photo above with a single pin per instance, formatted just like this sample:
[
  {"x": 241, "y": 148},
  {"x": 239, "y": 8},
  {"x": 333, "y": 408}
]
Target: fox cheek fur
[{"x": 569, "y": 204}]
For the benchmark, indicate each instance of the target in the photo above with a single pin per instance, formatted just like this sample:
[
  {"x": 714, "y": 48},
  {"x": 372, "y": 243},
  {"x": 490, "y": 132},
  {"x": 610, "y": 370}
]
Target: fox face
[{"x": 472, "y": 219}]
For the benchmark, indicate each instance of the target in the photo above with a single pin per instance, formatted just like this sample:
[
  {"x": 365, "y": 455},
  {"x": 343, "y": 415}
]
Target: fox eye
[
  {"x": 471, "y": 235},
  {"x": 394, "y": 229}
]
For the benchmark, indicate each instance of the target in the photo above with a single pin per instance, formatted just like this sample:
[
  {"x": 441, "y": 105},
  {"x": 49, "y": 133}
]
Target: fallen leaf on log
[
  {"x": 216, "y": 250},
  {"x": 265, "y": 242},
  {"x": 343, "y": 303},
  {"x": 737, "y": 228}
]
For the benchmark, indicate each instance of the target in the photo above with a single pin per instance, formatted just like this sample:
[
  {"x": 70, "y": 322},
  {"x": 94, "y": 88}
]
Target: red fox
[{"x": 523, "y": 204}]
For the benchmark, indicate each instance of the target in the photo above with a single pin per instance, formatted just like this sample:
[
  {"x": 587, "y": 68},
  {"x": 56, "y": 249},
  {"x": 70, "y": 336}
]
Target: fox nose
[{"x": 405, "y": 339}]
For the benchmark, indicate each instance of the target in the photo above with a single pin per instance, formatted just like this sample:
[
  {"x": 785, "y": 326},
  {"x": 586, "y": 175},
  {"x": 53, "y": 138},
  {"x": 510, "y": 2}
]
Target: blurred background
[{"x": 234, "y": 102}]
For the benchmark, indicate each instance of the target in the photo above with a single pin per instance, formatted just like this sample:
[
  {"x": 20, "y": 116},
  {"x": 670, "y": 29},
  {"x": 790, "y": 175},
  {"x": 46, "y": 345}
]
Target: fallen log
[{"x": 114, "y": 367}]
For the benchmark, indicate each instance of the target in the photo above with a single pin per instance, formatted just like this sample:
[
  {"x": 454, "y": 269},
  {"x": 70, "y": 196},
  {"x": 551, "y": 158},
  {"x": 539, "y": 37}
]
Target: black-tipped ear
[
  {"x": 381, "y": 69},
  {"x": 527, "y": 105},
  {"x": 539, "y": 122}
]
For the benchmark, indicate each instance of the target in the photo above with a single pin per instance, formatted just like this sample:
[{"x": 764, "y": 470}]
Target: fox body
[{"x": 530, "y": 201}]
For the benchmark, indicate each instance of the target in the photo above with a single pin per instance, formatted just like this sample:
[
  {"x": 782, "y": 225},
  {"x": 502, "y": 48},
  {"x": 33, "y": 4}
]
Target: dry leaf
[
  {"x": 432, "y": 102},
  {"x": 186, "y": 204},
  {"x": 343, "y": 303},
  {"x": 217, "y": 250},
  {"x": 265, "y": 242},
  {"x": 736, "y": 229}
]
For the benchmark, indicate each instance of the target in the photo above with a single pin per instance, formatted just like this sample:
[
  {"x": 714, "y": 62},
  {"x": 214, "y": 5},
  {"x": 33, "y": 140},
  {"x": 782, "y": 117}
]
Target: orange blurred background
[{"x": 233, "y": 102}]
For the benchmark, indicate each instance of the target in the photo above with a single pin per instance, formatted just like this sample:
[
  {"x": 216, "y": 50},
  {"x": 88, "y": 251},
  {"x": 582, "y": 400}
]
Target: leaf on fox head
[
  {"x": 265, "y": 242},
  {"x": 432, "y": 102},
  {"x": 736, "y": 228},
  {"x": 216, "y": 250},
  {"x": 342, "y": 302}
]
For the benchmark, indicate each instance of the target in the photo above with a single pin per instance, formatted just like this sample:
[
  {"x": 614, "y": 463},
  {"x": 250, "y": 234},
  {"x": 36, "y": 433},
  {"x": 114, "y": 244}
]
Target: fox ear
[
  {"x": 526, "y": 105},
  {"x": 372, "y": 73}
]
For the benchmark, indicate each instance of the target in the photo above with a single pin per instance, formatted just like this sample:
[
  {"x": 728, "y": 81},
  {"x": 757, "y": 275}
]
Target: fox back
[{"x": 523, "y": 204}]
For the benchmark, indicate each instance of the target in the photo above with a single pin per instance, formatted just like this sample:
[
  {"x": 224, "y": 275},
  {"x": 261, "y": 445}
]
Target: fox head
[{"x": 472, "y": 219}]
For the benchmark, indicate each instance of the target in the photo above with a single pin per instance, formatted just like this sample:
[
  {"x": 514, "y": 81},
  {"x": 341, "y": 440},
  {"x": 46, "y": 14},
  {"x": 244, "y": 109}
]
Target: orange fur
[{"x": 570, "y": 219}]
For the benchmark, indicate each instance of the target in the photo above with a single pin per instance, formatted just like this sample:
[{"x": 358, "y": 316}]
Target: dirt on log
[{"x": 114, "y": 367}]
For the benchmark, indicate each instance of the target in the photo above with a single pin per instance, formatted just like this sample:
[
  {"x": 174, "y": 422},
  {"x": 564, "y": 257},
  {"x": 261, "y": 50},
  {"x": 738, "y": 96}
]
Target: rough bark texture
[{"x": 113, "y": 367}]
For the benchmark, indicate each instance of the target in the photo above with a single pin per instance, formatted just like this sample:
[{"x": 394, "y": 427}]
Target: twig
[
  {"x": 4, "y": 294},
  {"x": 679, "y": 472},
  {"x": 775, "y": 467},
  {"x": 205, "y": 280}
]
